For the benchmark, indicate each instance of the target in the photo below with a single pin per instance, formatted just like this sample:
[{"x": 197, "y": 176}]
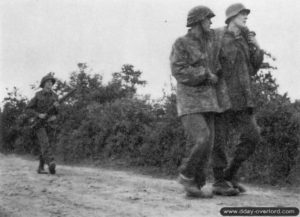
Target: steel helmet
[
  {"x": 197, "y": 14},
  {"x": 46, "y": 78},
  {"x": 234, "y": 10}
]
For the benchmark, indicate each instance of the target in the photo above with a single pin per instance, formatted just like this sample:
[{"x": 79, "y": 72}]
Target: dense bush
[
  {"x": 109, "y": 121},
  {"x": 11, "y": 126},
  {"x": 279, "y": 120}
]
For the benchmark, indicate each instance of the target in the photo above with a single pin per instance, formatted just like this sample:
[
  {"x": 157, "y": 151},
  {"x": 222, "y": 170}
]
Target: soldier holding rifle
[{"x": 39, "y": 107}]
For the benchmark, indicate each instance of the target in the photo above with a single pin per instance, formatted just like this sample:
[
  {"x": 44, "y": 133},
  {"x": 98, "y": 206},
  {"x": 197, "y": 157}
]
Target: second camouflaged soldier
[
  {"x": 38, "y": 107},
  {"x": 193, "y": 66},
  {"x": 240, "y": 58}
]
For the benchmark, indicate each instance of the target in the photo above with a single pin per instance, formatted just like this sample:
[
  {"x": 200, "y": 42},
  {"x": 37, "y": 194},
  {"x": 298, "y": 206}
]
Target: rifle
[
  {"x": 265, "y": 65},
  {"x": 36, "y": 121},
  {"x": 246, "y": 32}
]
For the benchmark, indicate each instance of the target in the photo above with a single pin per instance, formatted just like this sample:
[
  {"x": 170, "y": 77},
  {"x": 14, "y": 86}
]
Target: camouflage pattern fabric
[
  {"x": 192, "y": 58},
  {"x": 245, "y": 124},
  {"x": 199, "y": 129},
  {"x": 238, "y": 63}
]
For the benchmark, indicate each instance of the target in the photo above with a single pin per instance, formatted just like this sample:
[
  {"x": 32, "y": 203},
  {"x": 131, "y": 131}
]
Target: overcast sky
[{"x": 39, "y": 36}]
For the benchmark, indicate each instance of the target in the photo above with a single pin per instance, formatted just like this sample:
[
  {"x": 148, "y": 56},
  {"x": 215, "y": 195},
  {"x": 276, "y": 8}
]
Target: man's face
[
  {"x": 206, "y": 23},
  {"x": 48, "y": 85},
  {"x": 240, "y": 19}
]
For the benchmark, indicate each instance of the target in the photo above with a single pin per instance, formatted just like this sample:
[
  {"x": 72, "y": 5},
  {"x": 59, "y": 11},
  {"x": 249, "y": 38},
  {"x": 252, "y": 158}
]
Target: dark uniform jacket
[
  {"x": 41, "y": 102},
  {"x": 238, "y": 63},
  {"x": 191, "y": 59}
]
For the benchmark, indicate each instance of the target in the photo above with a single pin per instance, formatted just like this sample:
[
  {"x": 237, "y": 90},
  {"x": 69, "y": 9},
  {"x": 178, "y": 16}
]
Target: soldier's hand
[
  {"x": 42, "y": 115},
  {"x": 56, "y": 104},
  {"x": 52, "y": 118},
  {"x": 252, "y": 39},
  {"x": 212, "y": 78}
]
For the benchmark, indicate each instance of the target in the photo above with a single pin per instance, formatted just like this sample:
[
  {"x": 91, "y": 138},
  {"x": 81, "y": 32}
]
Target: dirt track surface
[{"x": 93, "y": 192}]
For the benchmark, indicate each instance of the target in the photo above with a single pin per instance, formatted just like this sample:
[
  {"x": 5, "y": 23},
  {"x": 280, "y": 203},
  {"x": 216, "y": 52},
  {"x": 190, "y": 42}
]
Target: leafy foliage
[
  {"x": 108, "y": 121},
  {"x": 280, "y": 127}
]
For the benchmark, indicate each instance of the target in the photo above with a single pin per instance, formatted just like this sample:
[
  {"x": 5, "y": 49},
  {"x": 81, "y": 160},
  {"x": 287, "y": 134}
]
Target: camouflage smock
[
  {"x": 191, "y": 58},
  {"x": 238, "y": 63}
]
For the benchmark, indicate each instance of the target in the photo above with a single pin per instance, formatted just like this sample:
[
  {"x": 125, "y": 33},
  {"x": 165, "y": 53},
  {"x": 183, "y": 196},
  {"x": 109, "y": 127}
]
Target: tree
[
  {"x": 14, "y": 105},
  {"x": 276, "y": 155},
  {"x": 127, "y": 80}
]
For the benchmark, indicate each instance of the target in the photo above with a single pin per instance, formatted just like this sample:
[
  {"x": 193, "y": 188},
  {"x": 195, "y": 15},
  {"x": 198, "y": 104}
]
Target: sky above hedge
[{"x": 38, "y": 36}]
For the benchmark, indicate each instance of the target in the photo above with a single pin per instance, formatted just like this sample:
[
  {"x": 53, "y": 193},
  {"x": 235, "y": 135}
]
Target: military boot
[
  {"x": 191, "y": 188},
  {"x": 41, "y": 169},
  {"x": 230, "y": 176},
  {"x": 238, "y": 186},
  {"x": 221, "y": 187},
  {"x": 52, "y": 166}
]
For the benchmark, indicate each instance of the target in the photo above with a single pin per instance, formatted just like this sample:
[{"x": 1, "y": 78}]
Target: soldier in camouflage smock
[
  {"x": 200, "y": 94},
  {"x": 38, "y": 107},
  {"x": 240, "y": 58}
]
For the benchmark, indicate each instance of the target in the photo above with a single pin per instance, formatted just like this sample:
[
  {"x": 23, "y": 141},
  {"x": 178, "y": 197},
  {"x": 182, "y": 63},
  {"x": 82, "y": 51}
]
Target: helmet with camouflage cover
[
  {"x": 234, "y": 10},
  {"x": 47, "y": 78},
  {"x": 197, "y": 14}
]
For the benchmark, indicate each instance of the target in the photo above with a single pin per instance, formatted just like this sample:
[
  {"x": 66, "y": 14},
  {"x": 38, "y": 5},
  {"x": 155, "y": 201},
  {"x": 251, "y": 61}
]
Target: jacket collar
[
  {"x": 47, "y": 92},
  {"x": 231, "y": 34}
]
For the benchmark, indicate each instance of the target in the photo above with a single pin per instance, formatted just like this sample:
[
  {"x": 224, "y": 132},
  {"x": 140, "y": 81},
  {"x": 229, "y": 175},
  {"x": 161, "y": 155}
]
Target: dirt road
[{"x": 93, "y": 192}]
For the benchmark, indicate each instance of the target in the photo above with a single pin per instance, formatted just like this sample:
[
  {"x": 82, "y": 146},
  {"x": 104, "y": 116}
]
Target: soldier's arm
[
  {"x": 181, "y": 69},
  {"x": 256, "y": 58}
]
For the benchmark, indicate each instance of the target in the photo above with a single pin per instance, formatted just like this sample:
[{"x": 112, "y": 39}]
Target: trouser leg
[
  {"x": 219, "y": 158},
  {"x": 42, "y": 162},
  {"x": 46, "y": 151},
  {"x": 198, "y": 130},
  {"x": 250, "y": 137},
  {"x": 201, "y": 168}
]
